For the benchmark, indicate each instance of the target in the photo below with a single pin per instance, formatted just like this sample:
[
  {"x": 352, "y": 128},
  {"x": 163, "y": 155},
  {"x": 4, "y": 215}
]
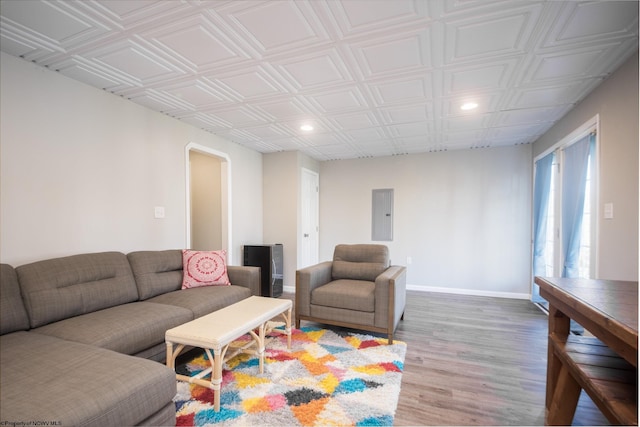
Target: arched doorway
[{"x": 208, "y": 194}]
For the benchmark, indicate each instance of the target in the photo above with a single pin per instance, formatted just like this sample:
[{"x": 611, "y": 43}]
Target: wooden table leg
[
  {"x": 559, "y": 325},
  {"x": 565, "y": 400}
]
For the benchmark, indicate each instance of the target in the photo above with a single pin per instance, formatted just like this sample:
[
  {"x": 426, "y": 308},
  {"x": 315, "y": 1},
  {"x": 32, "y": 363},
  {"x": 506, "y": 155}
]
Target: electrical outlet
[{"x": 158, "y": 212}]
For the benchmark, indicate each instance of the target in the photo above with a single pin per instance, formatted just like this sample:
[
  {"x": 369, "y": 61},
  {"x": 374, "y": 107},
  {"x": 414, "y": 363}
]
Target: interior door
[{"x": 309, "y": 236}]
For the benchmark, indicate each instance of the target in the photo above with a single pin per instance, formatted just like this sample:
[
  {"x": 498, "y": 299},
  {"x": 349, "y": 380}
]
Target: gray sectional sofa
[{"x": 82, "y": 337}]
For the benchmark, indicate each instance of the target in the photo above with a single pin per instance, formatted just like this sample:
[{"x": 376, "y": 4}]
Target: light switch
[
  {"x": 159, "y": 212},
  {"x": 608, "y": 211}
]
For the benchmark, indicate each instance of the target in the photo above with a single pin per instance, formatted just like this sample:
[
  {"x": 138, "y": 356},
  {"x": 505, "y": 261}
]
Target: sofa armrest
[
  {"x": 390, "y": 296},
  {"x": 246, "y": 276},
  {"x": 307, "y": 279}
]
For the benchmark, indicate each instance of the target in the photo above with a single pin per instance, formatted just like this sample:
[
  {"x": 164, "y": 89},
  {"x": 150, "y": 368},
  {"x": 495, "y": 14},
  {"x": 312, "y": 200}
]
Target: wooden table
[{"x": 604, "y": 366}]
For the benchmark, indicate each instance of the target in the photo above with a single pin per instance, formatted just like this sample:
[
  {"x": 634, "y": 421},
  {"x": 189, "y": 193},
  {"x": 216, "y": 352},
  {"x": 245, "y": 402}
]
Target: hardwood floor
[{"x": 475, "y": 361}]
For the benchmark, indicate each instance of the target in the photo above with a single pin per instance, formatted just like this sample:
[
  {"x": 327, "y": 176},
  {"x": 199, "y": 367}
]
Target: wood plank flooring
[{"x": 475, "y": 361}]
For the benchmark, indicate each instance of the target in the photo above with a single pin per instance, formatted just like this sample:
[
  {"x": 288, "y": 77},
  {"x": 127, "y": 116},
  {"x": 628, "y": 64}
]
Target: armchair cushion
[
  {"x": 359, "y": 262},
  {"x": 347, "y": 294}
]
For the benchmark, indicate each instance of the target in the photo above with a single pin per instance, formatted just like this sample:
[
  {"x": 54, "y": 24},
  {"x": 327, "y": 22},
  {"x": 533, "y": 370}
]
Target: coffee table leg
[
  {"x": 172, "y": 355},
  {"x": 216, "y": 375},
  {"x": 287, "y": 318},
  {"x": 261, "y": 346},
  {"x": 171, "y": 360}
]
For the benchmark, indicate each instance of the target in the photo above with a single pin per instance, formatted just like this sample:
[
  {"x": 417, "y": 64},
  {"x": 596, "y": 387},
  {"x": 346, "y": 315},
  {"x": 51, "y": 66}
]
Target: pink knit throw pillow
[{"x": 204, "y": 268}]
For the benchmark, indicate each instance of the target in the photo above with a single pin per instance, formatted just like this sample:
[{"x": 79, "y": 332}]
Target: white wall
[
  {"x": 464, "y": 217},
  {"x": 82, "y": 170},
  {"x": 615, "y": 101}
]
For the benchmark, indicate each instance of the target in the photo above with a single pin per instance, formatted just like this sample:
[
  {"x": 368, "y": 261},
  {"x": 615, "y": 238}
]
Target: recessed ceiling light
[
  {"x": 469, "y": 106},
  {"x": 306, "y": 128}
]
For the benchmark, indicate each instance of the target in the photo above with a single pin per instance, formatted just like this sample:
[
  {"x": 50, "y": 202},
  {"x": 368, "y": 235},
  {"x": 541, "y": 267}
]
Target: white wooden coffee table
[{"x": 214, "y": 332}]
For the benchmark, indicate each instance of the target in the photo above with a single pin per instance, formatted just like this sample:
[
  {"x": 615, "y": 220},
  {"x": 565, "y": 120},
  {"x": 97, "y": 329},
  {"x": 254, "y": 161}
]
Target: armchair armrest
[
  {"x": 390, "y": 296},
  {"x": 307, "y": 279},
  {"x": 246, "y": 276}
]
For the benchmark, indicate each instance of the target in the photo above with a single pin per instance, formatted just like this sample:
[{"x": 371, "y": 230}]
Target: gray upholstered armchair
[{"x": 358, "y": 290}]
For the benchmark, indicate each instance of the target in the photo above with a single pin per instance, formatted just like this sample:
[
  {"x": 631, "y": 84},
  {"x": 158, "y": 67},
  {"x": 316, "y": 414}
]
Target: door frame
[{"x": 225, "y": 202}]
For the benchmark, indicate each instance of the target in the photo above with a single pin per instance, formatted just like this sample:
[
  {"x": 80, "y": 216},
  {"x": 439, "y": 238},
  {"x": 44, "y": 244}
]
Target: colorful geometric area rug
[{"x": 326, "y": 378}]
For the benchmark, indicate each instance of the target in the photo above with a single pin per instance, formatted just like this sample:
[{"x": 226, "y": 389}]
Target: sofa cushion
[
  {"x": 46, "y": 378},
  {"x": 59, "y": 288},
  {"x": 347, "y": 294},
  {"x": 128, "y": 328},
  {"x": 204, "y": 268},
  {"x": 13, "y": 316},
  {"x": 359, "y": 262},
  {"x": 156, "y": 272},
  {"x": 204, "y": 300}
]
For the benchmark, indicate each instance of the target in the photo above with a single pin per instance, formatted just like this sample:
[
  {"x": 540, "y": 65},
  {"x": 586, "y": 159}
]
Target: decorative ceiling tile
[
  {"x": 249, "y": 85},
  {"x": 152, "y": 100},
  {"x": 131, "y": 13},
  {"x": 187, "y": 40},
  {"x": 466, "y": 123},
  {"x": 581, "y": 22},
  {"x": 197, "y": 94},
  {"x": 236, "y": 116},
  {"x": 87, "y": 72},
  {"x": 50, "y": 21},
  {"x": 530, "y": 115},
  {"x": 357, "y": 16},
  {"x": 409, "y": 129},
  {"x": 452, "y": 139},
  {"x": 478, "y": 77},
  {"x": 402, "y": 54},
  {"x": 517, "y": 134},
  {"x": 206, "y": 122},
  {"x": 320, "y": 139},
  {"x": 131, "y": 60},
  {"x": 354, "y": 120},
  {"x": 406, "y": 114},
  {"x": 367, "y": 134},
  {"x": 547, "y": 96},
  {"x": 392, "y": 91},
  {"x": 272, "y": 26},
  {"x": 340, "y": 101},
  {"x": 269, "y": 131},
  {"x": 578, "y": 63},
  {"x": 487, "y": 35},
  {"x": 282, "y": 109},
  {"x": 309, "y": 72}
]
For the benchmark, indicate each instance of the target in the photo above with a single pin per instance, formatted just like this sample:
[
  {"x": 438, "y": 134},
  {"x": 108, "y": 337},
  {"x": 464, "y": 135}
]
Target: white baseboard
[
  {"x": 473, "y": 292},
  {"x": 457, "y": 291}
]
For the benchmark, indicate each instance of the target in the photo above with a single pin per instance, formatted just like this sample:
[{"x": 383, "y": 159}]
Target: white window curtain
[
  {"x": 574, "y": 175},
  {"x": 541, "y": 189}
]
